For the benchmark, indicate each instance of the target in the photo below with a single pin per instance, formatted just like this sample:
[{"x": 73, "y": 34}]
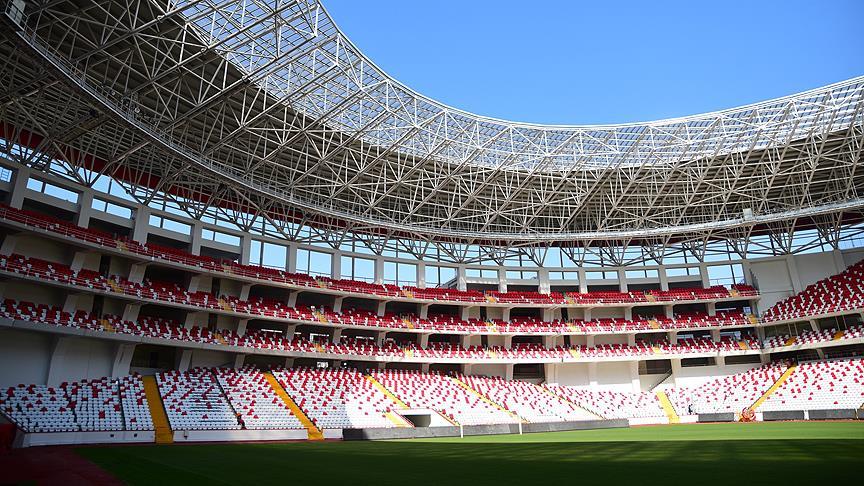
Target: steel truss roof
[{"x": 265, "y": 106}]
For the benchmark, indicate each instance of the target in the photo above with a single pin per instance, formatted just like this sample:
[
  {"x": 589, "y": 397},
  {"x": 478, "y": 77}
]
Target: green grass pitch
[{"x": 699, "y": 454}]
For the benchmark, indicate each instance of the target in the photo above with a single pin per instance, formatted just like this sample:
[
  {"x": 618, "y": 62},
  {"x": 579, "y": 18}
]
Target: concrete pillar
[
  {"x": 85, "y": 208},
  {"x": 461, "y": 278},
  {"x": 764, "y": 358},
  {"x": 664, "y": 279},
  {"x": 241, "y": 327},
  {"x": 382, "y": 308},
  {"x": 337, "y": 335},
  {"x": 9, "y": 244},
  {"x": 424, "y": 367},
  {"x": 622, "y": 280},
  {"x": 70, "y": 304},
  {"x": 635, "y": 383},
  {"x": 122, "y": 360},
  {"x": 137, "y": 272},
  {"x": 423, "y": 310},
  {"x": 550, "y": 370},
  {"x": 676, "y": 369},
  {"x": 196, "y": 234},
  {"x": 379, "y": 270},
  {"x": 720, "y": 360},
  {"x": 502, "y": 280},
  {"x": 184, "y": 361},
  {"x": 669, "y": 311},
  {"x": 379, "y": 338},
  {"x": 79, "y": 260},
  {"x": 814, "y": 325},
  {"x": 508, "y": 341},
  {"x": 748, "y": 273},
  {"x": 589, "y": 340},
  {"x": 464, "y": 341},
  {"x": 505, "y": 314},
  {"x": 130, "y": 312},
  {"x": 583, "y": 282},
  {"x": 337, "y": 304},
  {"x": 673, "y": 337},
  {"x": 336, "y": 265},
  {"x": 18, "y": 189},
  {"x": 839, "y": 263},
  {"x": 245, "y": 249},
  {"x": 586, "y": 314},
  {"x": 291, "y": 258},
  {"x": 548, "y": 315},
  {"x": 628, "y": 313},
  {"x": 543, "y": 281},
  {"x": 141, "y": 224},
  {"x": 711, "y": 307},
  {"x": 200, "y": 283},
  {"x": 59, "y": 347},
  {"x": 195, "y": 318},
  {"x": 794, "y": 278},
  {"x": 290, "y": 330},
  {"x": 715, "y": 335},
  {"x": 245, "y": 290},
  {"x": 631, "y": 340},
  {"x": 421, "y": 275},
  {"x": 508, "y": 372},
  {"x": 289, "y": 363},
  {"x": 423, "y": 341},
  {"x": 467, "y": 368},
  {"x": 703, "y": 274},
  {"x": 239, "y": 359},
  {"x": 292, "y": 298},
  {"x": 465, "y": 312}
]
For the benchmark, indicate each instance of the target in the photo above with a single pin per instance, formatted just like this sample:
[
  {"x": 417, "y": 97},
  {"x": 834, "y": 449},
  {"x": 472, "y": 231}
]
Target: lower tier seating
[
  {"x": 529, "y": 401},
  {"x": 731, "y": 393},
  {"x": 194, "y": 401},
  {"x": 104, "y": 404},
  {"x": 612, "y": 404},
  {"x": 819, "y": 385},
  {"x": 444, "y": 395},
  {"x": 337, "y": 399},
  {"x": 254, "y": 400}
]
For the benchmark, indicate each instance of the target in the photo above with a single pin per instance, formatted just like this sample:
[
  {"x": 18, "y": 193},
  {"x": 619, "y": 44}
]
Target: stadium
[{"x": 236, "y": 246}]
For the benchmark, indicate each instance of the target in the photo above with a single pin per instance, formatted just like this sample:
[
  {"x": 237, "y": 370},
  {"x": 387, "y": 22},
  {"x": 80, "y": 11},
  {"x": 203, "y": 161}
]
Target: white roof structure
[{"x": 265, "y": 106}]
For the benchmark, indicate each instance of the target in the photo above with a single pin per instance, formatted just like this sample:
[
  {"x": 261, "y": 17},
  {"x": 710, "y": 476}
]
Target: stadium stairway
[
  {"x": 770, "y": 391},
  {"x": 314, "y": 433},
  {"x": 668, "y": 408},
  {"x": 164, "y": 434},
  {"x": 486, "y": 399}
]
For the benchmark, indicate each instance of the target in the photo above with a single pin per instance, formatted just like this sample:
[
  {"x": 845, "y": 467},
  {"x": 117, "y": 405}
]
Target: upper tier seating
[
  {"x": 612, "y": 404},
  {"x": 255, "y": 400},
  {"x": 194, "y": 401},
  {"x": 529, "y": 401},
  {"x": 337, "y": 399},
  {"x": 817, "y": 385},
  {"x": 731, "y": 393},
  {"x": 157, "y": 252},
  {"x": 442, "y": 394},
  {"x": 841, "y": 292}
]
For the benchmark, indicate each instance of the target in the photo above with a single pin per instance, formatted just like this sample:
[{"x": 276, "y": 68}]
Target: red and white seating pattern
[
  {"x": 258, "y": 406},
  {"x": 103, "y": 404},
  {"x": 841, "y": 292},
  {"x": 612, "y": 404},
  {"x": 819, "y": 385},
  {"x": 96, "y": 404},
  {"x": 529, "y": 401},
  {"x": 194, "y": 401},
  {"x": 136, "y": 411},
  {"x": 39, "y": 408},
  {"x": 337, "y": 399},
  {"x": 731, "y": 393},
  {"x": 812, "y": 337},
  {"x": 442, "y": 394},
  {"x": 157, "y": 252}
]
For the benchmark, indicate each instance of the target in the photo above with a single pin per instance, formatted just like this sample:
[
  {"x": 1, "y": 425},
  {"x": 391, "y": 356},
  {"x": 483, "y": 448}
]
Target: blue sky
[{"x": 606, "y": 62}]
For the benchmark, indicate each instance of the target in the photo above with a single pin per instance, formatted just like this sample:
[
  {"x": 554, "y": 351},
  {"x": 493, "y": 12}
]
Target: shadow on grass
[{"x": 407, "y": 463}]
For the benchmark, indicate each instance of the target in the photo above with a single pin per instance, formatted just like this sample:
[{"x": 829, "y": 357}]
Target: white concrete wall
[
  {"x": 489, "y": 370},
  {"x": 24, "y": 357},
  {"x": 698, "y": 375},
  {"x": 84, "y": 358}
]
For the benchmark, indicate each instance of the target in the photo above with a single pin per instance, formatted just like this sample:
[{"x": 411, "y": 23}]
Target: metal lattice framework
[{"x": 263, "y": 108}]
